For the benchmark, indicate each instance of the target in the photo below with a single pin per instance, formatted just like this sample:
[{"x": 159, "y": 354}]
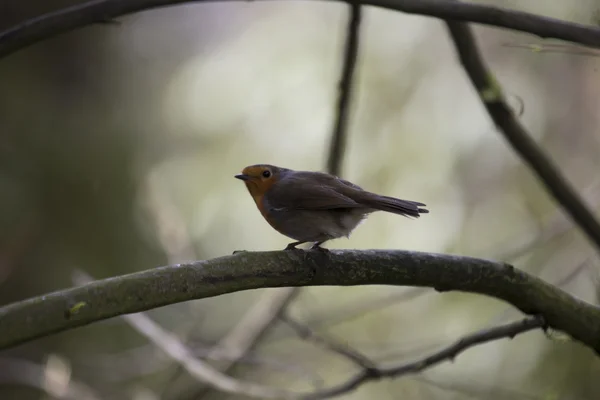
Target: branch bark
[
  {"x": 45, "y": 26},
  {"x": 41, "y": 316},
  {"x": 337, "y": 146},
  {"x": 492, "y": 98},
  {"x": 449, "y": 353}
]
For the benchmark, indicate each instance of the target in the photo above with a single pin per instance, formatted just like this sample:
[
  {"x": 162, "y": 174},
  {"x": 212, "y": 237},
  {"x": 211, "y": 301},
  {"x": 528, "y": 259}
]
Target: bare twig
[
  {"x": 202, "y": 371},
  {"x": 254, "y": 325},
  {"x": 356, "y": 309},
  {"x": 492, "y": 98},
  {"x": 174, "y": 348},
  {"x": 264, "y": 313},
  {"x": 144, "y": 360},
  {"x": 272, "y": 304},
  {"x": 446, "y": 354},
  {"x": 554, "y": 48},
  {"x": 563, "y": 281},
  {"x": 351, "y": 354},
  {"x": 45, "y": 26},
  {"x": 340, "y": 131},
  {"x": 553, "y": 227}
]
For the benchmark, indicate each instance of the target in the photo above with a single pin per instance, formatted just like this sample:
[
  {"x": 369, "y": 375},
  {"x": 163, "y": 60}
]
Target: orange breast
[
  {"x": 258, "y": 199},
  {"x": 260, "y": 204}
]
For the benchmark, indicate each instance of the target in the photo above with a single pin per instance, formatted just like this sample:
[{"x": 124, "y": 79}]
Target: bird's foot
[
  {"x": 317, "y": 247},
  {"x": 292, "y": 246}
]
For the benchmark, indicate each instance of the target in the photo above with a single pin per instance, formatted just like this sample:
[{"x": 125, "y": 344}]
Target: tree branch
[
  {"x": 446, "y": 354},
  {"x": 304, "y": 332},
  {"x": 493, "y": 100},
  {"x": 200, "y": 370},
  {"x": 40, "y": 316},
  {"x": 171, "y": 345},
  {"x": 45, "y": 26},
  {"x": 264, "y": 313},
  {"x": 253, "y": 326},
  {"x": 340, "y": 131}
]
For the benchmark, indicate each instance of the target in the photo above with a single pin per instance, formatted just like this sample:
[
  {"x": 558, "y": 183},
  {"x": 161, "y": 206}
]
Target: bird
[{"x": 309, "y": 206}]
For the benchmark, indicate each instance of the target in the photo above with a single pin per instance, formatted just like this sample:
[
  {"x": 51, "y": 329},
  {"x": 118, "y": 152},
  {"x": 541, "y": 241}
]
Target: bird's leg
[
  {"x": 292, "y": 246},
  {"x": 317, "y": 246}
]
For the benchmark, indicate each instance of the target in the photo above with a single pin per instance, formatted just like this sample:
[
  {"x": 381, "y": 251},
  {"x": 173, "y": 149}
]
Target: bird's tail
[{"x": 390, "y": 204}]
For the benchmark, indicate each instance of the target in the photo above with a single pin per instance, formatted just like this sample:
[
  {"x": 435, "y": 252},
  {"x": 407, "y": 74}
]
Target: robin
[{"x": 315, "y": 206}]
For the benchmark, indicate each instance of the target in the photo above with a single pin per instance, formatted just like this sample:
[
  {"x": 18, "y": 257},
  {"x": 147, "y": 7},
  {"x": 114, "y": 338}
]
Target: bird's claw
[
  {"x": 292, "y": 246},
  {"x": 319, "y": 248}
]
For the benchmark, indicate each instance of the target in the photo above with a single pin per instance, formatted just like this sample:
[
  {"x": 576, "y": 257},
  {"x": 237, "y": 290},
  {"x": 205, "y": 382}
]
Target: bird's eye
[{"x": 266, "y": 174}]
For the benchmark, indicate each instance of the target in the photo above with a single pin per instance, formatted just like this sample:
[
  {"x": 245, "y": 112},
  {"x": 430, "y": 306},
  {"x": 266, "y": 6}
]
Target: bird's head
[{"x": 260, "y": 177}]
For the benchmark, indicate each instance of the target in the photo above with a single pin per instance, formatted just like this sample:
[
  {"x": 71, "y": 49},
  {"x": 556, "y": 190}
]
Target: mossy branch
[
  {"x": 90, "y": 12},
  {"x": 41, "y": 316}
]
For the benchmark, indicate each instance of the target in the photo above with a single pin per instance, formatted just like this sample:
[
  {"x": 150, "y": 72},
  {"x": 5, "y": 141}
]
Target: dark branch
[
  {"x": 45, "y": 26},
  {"x": 340, "y": 131},
  {"x": 279, "y": 303},
  {"x": 55, "y": 312},
  {"x": 446, "y": 354},
  {"x": 305, "y": 332},
  {"x": 492, "y": 98},
  {"x": 254, "y": 326}
]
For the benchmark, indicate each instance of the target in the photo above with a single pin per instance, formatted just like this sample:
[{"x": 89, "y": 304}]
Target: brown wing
[
  {"x": 383, "y": 203},
  {"x": 318, "y": 191},
  {"x": 311, "y": 191}
]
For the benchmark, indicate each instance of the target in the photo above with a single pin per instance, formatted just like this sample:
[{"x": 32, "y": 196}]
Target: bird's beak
[{"x": 243, "y": 177}]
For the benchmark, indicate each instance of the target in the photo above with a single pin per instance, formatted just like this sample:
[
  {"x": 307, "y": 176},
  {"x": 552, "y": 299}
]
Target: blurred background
[{"x": 118, "y": 147}]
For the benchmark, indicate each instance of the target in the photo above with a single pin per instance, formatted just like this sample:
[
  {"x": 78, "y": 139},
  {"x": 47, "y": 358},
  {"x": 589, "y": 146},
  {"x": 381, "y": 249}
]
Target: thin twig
[
  {"x": 253, "y": 326},
  {"x": 174, "y": 348},
  {"x": 554, "y": 48},
  {"x": 340, "y": 131},
  {"x": 264, "y": 313},
  {"x": 145, "y": 360},
  {"x": 351, "y": 354},
  {"x": 446, "y": 354},
  {"x": 48, "y": 25},
  {"x": 360, "y": 307},
  {"x": 492, "y": 98}
]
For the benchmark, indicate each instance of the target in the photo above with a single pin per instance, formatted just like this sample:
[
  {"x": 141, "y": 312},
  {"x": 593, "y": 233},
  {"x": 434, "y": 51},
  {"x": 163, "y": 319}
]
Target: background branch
[
  {"x": 45, "y": 26},
  {"x": 304, "y": 332},
  {"x": 171, "y": 345},
  {"x": 493, "y": 100},
  {"x": 30, "y": 319},
  {"x": 340, "y": 131},
  {"x": 446, "y": 354},
  {"x": 255, "y": 324},
  {"x": 263, "y": 315}
]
